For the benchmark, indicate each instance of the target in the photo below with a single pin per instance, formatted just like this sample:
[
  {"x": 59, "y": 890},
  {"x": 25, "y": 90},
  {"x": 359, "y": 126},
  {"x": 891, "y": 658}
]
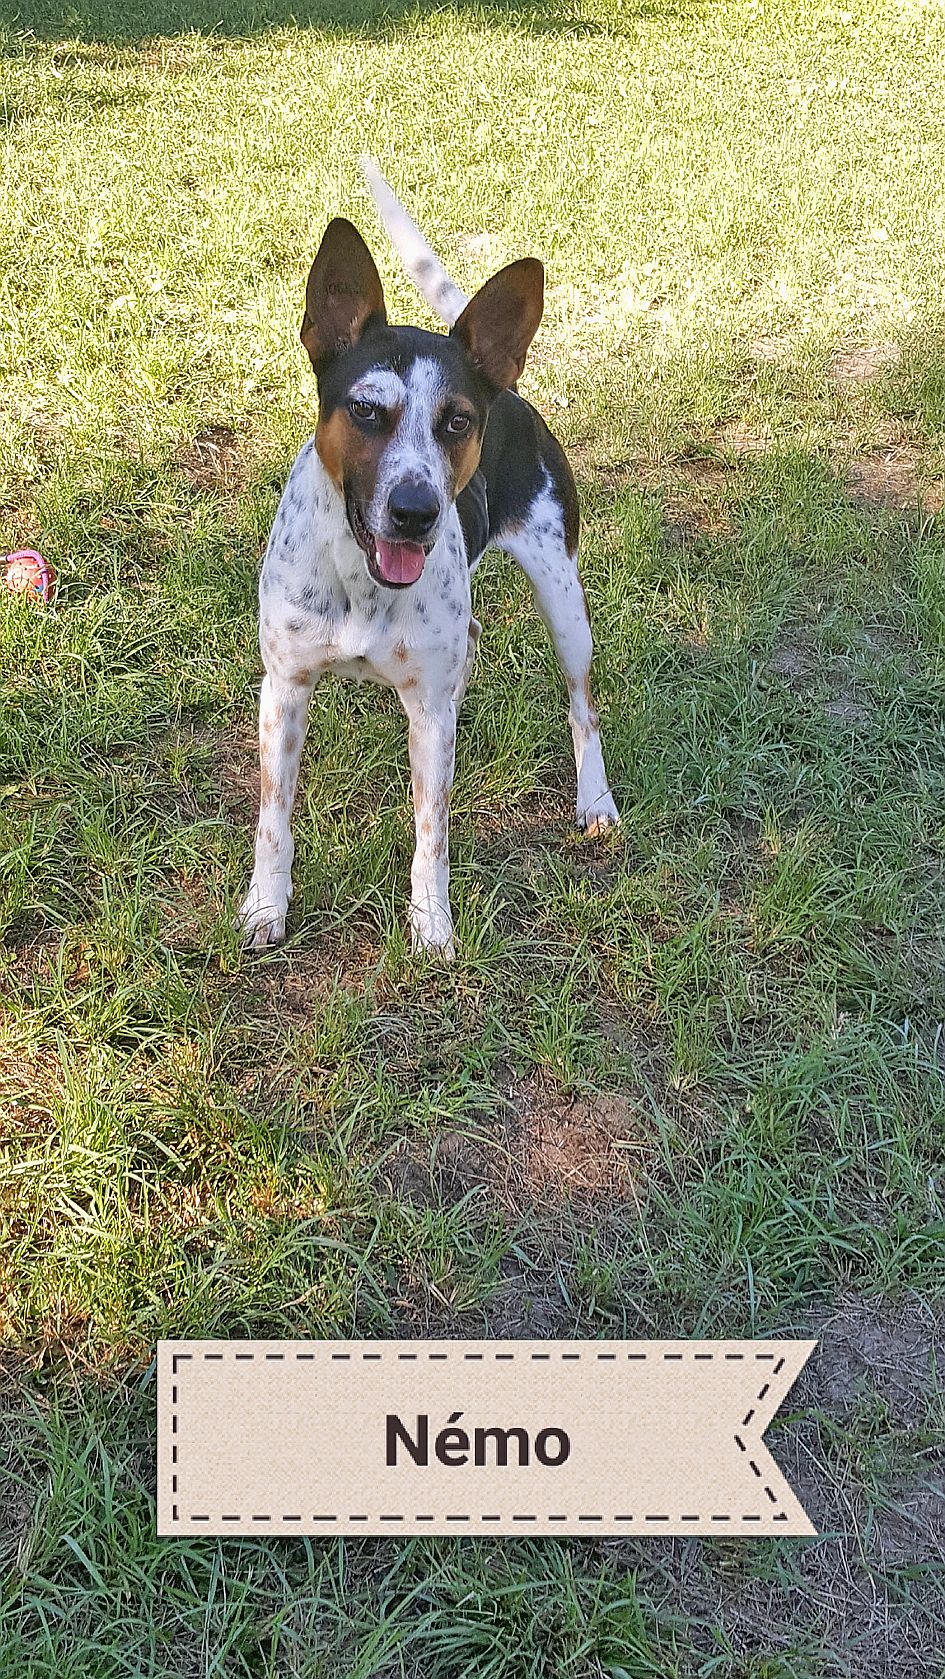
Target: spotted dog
[{"x": 423, "y": 457}]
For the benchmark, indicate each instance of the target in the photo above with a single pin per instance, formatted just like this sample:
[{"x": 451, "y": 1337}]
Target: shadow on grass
[{"x": 110, "y": 21}]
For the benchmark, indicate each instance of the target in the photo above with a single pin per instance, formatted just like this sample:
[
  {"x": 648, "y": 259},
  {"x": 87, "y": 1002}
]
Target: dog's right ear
[{"x": 344, "y": 291}]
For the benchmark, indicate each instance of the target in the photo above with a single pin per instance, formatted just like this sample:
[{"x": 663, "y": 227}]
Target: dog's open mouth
[{"x": 394, "y": 564}]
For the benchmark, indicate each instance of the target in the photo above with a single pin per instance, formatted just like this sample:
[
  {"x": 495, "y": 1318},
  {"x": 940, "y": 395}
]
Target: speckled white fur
[{"x": 320, "y": 611}]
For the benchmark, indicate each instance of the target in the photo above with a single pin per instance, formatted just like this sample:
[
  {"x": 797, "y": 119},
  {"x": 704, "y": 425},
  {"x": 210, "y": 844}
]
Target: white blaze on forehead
[
  {"x": 413, "y": 451},
  {"x": 426, "y": 388},
  {"x": 381, "y": 385}
]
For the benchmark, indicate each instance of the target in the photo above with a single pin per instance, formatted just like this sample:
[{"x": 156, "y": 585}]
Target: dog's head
[{"x": 401, "y": 411}]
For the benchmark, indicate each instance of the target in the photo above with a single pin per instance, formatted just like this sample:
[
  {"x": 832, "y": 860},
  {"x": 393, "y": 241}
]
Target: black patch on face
[{"x": 397, "y": 348}]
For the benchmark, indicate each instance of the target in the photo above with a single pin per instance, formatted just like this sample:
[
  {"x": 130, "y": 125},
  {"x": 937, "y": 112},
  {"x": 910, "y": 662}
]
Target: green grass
[{"x": 733, "y": 1012}]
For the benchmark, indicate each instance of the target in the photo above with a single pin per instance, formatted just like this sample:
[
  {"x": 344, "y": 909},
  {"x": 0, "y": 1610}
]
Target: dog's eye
[
  {"x": 360, "y": 410},
  {"x": 459, "y": 424}
]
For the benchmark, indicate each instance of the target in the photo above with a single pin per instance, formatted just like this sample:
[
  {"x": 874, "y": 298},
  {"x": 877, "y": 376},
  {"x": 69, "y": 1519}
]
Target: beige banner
[{"x": 381, "y": 1437}]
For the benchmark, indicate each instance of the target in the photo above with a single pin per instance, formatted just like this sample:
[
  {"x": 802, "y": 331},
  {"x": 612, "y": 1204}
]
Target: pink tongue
[{"x": 399, "y": 562}]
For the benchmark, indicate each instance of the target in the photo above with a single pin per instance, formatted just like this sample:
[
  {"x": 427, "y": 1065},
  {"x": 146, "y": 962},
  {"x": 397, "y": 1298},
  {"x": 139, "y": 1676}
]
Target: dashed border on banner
[{"x": 479, "y": 1357}]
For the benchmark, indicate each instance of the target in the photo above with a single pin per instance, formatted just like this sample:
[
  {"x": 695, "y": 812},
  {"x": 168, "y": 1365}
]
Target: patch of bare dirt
[
  {"x": 449, "y": 1167},
  {"x": 573, "y": 1146},
  {"x": 554, "y": 1149},
  {"x": 794, "y": 661},
  {"x": 844, "y": 709},
  {"x": 742, "y": 440},
  {"x": 528, "y": 1306},
  {"x": 912, "y": 1525},
  {"x": 703, "y": 472},
  {"x": 693, "y": 492},
  {"x": 769, "y": 348},
  {"x": 293, "y": 981},
  {"x": 700, "y": 472},
  {"x": 212, "y": 460},
  {"x": 858, "y": 364},
  {"x": 840, "y": 687},
  {"x": 884, "y": 1346},
  {"x": 462, "y": 1159},
  {"x": 887, "y": 480}
]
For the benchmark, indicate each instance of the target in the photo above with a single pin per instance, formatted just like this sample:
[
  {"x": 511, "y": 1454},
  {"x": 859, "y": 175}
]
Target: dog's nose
[{"x": 414, "y": 509}]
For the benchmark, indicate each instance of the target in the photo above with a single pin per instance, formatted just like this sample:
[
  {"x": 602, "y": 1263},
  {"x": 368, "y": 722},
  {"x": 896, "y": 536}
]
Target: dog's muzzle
[{"x": 393, "y": 562}]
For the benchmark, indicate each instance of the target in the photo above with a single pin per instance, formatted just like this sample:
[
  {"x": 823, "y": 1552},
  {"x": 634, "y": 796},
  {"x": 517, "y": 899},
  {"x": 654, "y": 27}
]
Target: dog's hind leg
[{"x": 540, "y": 547}]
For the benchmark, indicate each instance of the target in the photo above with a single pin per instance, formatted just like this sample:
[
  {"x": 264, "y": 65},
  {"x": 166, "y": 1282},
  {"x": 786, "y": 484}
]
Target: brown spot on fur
[
  {"x": 267, "y": 788},
  {"x": 433, "y": 824},
  {"x": 464, "y": 458},
  {"x": 330, "y": 437}
]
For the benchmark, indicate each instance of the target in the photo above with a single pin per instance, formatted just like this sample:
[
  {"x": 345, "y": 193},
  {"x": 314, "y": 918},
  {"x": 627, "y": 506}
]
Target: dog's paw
[
  {"x": 261, "y": 921},
  {"x": 601, "y": 816},
  {"x": 431, "y": 933}
]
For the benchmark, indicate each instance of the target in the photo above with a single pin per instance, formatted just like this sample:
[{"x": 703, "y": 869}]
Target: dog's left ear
[
  {"x": 344, "y": 290},
  {"x": 498, "y": 324}
]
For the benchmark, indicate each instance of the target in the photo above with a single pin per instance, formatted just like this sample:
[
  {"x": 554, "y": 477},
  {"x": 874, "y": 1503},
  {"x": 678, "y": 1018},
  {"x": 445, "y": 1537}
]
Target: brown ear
[
  {"x": 344, "y": 290},
  {"x": 498, "y": 324}
]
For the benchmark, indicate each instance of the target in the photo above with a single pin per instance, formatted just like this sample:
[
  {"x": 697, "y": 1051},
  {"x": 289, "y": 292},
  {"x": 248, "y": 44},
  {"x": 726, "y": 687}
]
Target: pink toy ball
[{"x": 27, "y": 573}]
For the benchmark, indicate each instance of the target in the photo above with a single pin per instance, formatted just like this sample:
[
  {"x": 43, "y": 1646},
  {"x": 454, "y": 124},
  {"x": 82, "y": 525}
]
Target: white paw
[
  {"x": 598, "y": 817},
  {"x": 431, "y": 930},
  {"x": 261, "y": 919}
]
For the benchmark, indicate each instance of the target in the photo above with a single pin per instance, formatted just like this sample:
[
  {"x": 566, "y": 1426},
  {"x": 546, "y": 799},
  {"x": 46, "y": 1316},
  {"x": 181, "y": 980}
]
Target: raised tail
[{"x": 424, "y": 267}]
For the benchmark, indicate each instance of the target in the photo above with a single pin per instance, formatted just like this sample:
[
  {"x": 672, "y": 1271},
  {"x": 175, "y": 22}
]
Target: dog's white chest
[{"x": 320, "y": 611}]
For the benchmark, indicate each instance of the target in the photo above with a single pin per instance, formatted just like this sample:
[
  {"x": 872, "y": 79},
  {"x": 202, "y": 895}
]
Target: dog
[{"x": 423, "y": 456}]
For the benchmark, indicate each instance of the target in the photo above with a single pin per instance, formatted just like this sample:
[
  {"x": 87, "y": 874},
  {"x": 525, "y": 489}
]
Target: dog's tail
[{"x": 424, "y": 267}]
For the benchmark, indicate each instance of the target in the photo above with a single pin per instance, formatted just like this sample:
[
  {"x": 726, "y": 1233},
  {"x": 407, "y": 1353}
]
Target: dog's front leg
[
  {"x": 432, "y": 742},
  {"x": 283, "y": 715}
]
